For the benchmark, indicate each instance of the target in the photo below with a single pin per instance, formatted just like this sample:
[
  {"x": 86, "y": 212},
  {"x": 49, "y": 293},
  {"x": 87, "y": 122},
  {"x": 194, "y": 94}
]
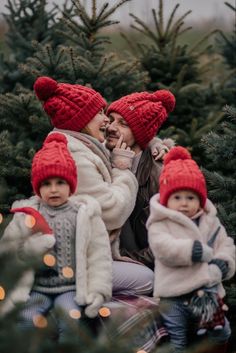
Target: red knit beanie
[
  {"x": 180, "y": 171},
  {"x": 70, "y": 107},
  {"x": 144, "y": 112},
  {"x": 53, "y": 161}
]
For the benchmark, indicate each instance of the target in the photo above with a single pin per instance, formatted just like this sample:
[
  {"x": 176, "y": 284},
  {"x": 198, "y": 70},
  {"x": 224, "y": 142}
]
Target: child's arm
[
  {"x": 223, "y": 260},
  {"x": 18, "y": 239},
  {"x": 176, "y": 252}
]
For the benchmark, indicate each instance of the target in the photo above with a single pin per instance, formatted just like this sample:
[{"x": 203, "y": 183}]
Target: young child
[
  {"x": 192, "y": 251},
  {"x": 81, "y": 277}
]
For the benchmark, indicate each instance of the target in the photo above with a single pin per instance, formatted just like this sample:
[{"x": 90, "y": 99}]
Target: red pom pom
[
  {"x": 167, "y": 99},
  {"x": 55, "y": 137},
  {"x": 175, "y": 153},
  {"x": 44, "y": 87}
]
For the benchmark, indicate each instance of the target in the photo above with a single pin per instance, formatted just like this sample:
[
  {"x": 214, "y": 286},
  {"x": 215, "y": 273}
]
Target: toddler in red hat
[
  {"x": 192, "y": 252},
  {"x": 71, "y": 279}
]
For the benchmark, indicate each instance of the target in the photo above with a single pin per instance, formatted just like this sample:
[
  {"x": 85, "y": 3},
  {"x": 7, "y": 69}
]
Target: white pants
[{"x": 132, "y": 279}]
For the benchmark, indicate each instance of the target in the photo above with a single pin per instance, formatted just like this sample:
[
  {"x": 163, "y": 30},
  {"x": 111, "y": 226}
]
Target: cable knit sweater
[
  {"x": 171, "y": 236},
  {"x": 92, "y": 252}
]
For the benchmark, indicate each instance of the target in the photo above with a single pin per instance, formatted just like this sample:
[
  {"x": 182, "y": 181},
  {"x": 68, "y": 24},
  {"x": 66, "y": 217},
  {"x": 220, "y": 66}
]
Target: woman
[{"x": 77, "y": 112}]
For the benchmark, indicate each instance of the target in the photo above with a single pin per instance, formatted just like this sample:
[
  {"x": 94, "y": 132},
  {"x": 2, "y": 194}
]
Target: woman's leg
[{"x": 132, "y": 279}]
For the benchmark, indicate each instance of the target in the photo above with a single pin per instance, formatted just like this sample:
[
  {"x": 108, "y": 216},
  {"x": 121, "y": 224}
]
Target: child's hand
[
  {"x": 36, "y": 245},
  {"x": 95, "y": 301}
]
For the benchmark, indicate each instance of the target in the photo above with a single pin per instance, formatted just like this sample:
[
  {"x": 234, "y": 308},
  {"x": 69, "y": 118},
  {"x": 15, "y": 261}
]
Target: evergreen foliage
[
  {"x": 220, "y": 149},
  {"x": 27, "y": 20},
  {"x": 220, "y": 172},
  {"x": 176, "y": 67},
  {"x": 227, "y": 46}
]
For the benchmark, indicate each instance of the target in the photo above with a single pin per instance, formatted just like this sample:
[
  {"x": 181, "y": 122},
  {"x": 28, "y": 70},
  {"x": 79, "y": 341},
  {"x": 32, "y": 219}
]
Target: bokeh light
[
  {"x": 67, "y": 272},
  {"x": 1, "y": 218},
  {"x": 75, "y": 314},
  {"x": 40, "y": 321},
  {"x": 49, "y": 260},
  {"x": 2, "y": 293},
  {"x": 104, "y": 311},
  {"x": 29, "y": 221},
  {"x": 142, "y": 351}
]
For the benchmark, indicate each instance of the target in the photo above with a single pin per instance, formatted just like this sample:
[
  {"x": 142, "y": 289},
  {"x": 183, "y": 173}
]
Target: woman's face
[{"x": 97, "y": 126}]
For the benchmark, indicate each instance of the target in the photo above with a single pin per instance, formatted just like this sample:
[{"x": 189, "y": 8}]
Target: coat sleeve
[
  {"x": 99, "y": 260},
  {"x": 170, "y": 251},
  {"x": 116, "y": 198},
  {"x": 224, "y": 249}
]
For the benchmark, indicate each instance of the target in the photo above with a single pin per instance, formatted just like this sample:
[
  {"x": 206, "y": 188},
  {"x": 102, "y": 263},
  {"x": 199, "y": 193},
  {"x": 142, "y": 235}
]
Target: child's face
[
  {"x": 54, "y": 191},
  {"x": 184, "y": 201},
  {"x": 97, "y": 126}
]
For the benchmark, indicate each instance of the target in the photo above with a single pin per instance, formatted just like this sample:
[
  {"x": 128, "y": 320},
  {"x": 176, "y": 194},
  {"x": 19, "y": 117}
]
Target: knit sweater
[
  {"x": 172, "y": 236},
  {"x": 62, "y": 220}
]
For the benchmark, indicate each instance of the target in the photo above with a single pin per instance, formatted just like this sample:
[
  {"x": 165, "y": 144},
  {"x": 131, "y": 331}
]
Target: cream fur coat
[
  {"x": 114, "y": 189},
  {"x": 171, "y": 236},
  {"x": 93, "y": 254}
]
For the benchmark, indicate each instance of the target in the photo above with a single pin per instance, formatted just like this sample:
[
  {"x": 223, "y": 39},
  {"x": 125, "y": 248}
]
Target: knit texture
[
  {"x": 144, "y": 112},
  {"x": 181, "y": 172},
  {"x": 62, "y": 220},
  {"x": 53, "y": 160},
  {"x": 70, "y": 107}
]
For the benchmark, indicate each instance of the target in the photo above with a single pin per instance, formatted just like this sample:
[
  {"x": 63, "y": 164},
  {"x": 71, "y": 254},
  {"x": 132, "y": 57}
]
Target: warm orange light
[
  {"x": 29, "y": 221},
  {"x": 40, "y": 321},
  {"x": 104, "y": 312},
  {"x": 2, "y": 293},
  {"x": 1, "y": 218},
  {"x": 142, "y": 351},
  {"x": 75, "y": 314},
  {"x": 49, "y": 260},
  {"x": 67, "y": 272}
]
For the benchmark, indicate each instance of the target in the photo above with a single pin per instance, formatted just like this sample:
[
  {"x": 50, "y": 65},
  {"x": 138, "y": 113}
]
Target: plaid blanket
[{"x": 138, "y": 318}]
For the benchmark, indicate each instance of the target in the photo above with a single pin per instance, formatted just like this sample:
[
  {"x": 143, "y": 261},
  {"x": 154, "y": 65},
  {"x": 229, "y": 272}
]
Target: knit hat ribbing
[
  {"x": 180, "y": 171},
  {"x": 144, "y": 112},
  {"x": 53, "y": 160},
  {"x": 70, "y": 107}
]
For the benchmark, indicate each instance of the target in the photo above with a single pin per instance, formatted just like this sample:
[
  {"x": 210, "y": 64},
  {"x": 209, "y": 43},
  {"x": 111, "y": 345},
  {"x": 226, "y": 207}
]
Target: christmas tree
[{"x": 176, "y": 66}]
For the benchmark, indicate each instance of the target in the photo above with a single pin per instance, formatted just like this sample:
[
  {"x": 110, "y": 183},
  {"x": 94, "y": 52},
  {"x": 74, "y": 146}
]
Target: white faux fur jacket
[
  {"x": 114, "y": 189},
  {"x": 93, "y": 253},
  {"x": 171, "y": 235}
]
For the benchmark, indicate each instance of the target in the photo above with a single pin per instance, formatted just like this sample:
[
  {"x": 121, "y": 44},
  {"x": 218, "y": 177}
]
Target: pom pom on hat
[
  {"x": 45, "y": 87},
  {"x": 70, "y": 107},
  {"x": 144, "y": 113},
  {"x": 175, "y": 153},
  {"x": 180, "y": 172},
  {"x": 167, "y": 99},
  {"x": 53, "y": 161}
]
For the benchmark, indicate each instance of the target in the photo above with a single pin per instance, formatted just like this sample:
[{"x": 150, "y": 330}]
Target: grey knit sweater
[{"x": 60, "y": 277}]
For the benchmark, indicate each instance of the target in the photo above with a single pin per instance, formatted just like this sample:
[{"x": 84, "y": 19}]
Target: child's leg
[
  {"x": 36, "y": 307},
  {"x": 175, "y": 315},
  {"x": 131, "y": 279},
  {"x": 68, "y": 313}
]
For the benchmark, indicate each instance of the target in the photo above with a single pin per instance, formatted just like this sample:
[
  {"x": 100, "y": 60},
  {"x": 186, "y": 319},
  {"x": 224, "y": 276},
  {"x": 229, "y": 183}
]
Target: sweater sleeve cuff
[
  {"x": 197, "y": 251},
  {"x": 223, "y": 266}
]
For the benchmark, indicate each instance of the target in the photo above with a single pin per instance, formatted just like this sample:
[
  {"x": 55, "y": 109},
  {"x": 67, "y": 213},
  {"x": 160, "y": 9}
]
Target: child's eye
[
  {"x": 61, "y": 182},
  {"x": 45, "y": 183},
  {"x": 177, "y": 197}
]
